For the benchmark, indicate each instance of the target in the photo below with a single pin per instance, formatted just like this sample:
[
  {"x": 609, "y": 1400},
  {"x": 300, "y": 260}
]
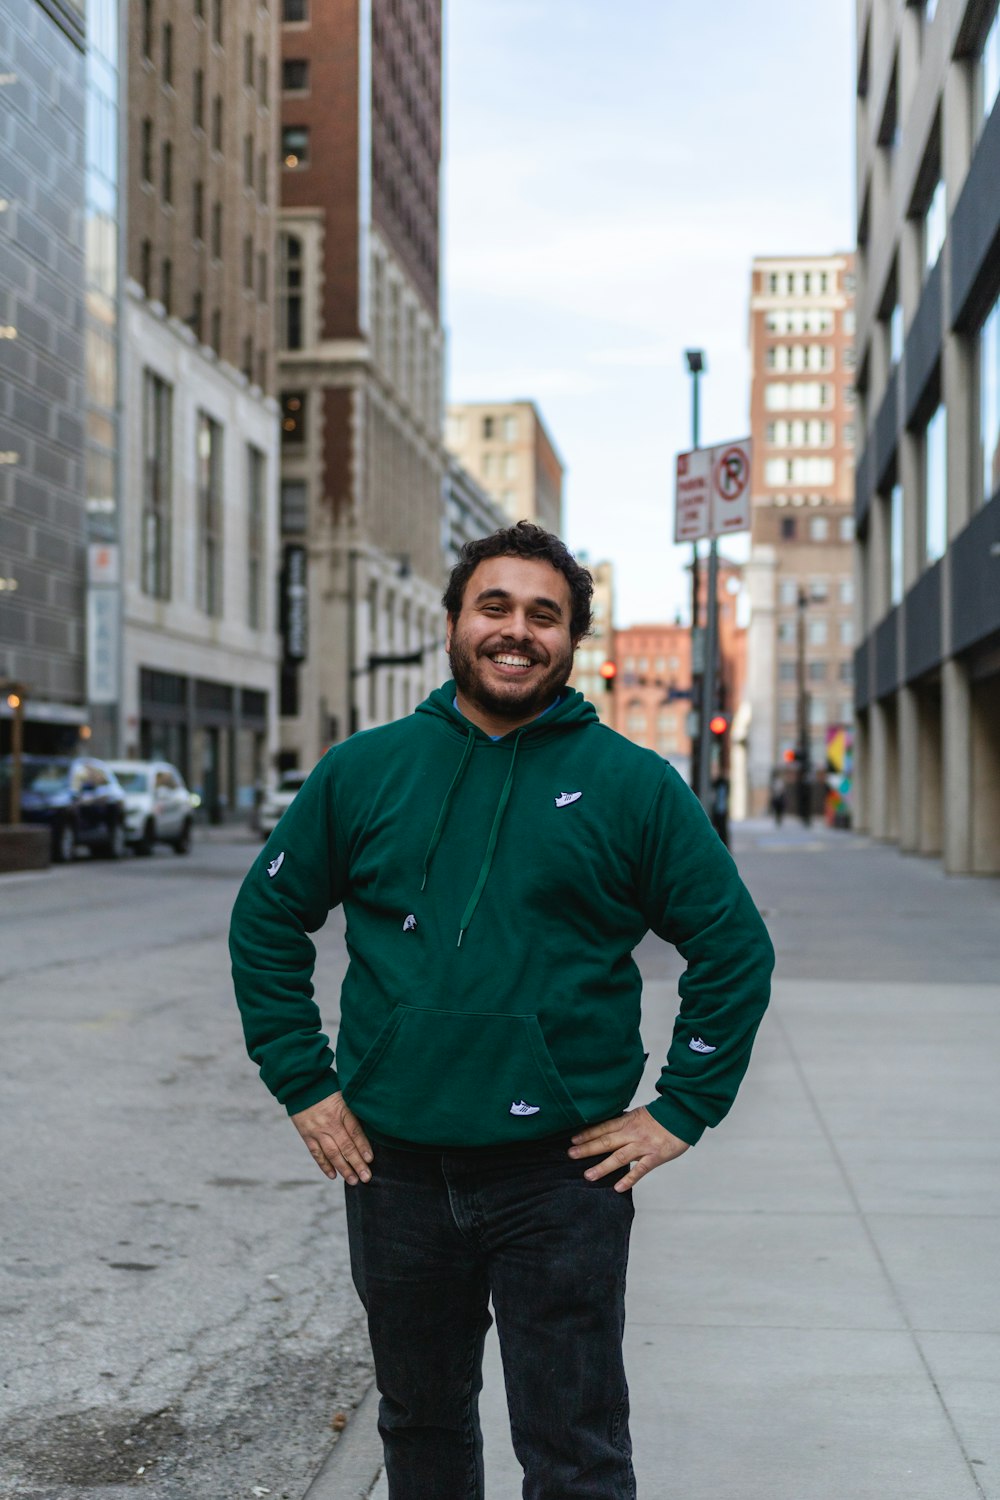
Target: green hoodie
[{"x": 494, "y": 891}]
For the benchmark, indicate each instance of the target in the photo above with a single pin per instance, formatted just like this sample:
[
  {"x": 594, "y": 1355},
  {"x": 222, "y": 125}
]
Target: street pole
[
  {"x": 697, "y": 365},
  {"x": 708, "y": 682}
]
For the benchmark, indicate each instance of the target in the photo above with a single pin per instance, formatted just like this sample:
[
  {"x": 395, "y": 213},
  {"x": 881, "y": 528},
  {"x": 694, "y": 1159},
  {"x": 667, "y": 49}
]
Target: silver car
[
  {"x": 159, "y": 807},
  {"x": 275, "y": 801}
]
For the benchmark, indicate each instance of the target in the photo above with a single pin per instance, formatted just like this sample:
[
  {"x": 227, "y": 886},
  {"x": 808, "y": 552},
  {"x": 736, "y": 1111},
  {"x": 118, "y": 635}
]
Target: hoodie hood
[{"x": 571, "y": 712}]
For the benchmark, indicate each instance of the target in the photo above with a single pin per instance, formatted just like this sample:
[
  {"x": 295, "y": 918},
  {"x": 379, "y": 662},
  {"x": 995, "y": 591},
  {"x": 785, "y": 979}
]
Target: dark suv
[{"x": 78, "y": 797}]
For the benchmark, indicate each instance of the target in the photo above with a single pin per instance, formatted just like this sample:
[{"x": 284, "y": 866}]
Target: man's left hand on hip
[{"x": 634, "y": 1140}]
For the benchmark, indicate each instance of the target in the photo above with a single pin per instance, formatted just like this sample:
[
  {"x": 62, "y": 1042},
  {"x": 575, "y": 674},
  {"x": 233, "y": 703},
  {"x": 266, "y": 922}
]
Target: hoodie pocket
[{"x": 445, "y": 1077}]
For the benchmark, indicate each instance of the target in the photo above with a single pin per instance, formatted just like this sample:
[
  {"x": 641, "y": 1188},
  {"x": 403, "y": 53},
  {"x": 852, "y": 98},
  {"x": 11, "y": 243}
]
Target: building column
[
  {"x": 956, "y": 715},
  {"x": 929, "y": 734},
  {"x": 860, "y": 799},
  {"x": 909, "y": 770},
  {"x": 985, "y": 725},
  {"x": 884, "y": 768}
]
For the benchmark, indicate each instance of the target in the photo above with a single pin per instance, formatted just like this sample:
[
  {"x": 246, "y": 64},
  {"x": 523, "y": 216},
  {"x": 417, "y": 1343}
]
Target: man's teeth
[{"x": 512, "y": 661}]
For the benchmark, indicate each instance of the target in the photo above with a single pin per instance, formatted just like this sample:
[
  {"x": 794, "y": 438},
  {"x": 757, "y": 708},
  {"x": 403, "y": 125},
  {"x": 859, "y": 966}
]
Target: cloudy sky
[{"x": 611, "y": 168}]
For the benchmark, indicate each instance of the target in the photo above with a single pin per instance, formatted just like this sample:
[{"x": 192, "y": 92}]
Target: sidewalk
[{"x": 813, "y": 1293}]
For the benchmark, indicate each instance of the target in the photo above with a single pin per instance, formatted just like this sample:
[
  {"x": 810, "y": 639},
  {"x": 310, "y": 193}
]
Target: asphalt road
[{"x": 176, "y": 1312}]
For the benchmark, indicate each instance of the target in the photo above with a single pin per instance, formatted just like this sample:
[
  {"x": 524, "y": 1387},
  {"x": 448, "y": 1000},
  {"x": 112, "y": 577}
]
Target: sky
[{"x": 611, "y": 168}]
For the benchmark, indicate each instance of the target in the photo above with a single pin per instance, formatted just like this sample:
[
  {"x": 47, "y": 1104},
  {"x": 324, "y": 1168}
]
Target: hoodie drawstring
[
  {"x": 491, "y": 844},
  {"x": 446, "y": 804}
]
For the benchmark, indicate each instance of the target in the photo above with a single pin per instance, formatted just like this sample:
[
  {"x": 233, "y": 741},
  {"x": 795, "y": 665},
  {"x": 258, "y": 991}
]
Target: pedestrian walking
[
  {"x": 499, "y": 853},
  {"x": 778, "y": 797}
]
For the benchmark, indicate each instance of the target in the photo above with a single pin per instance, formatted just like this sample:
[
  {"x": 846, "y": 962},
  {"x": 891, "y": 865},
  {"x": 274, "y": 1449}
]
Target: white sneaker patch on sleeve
[{"x": 697, "y": 1045}]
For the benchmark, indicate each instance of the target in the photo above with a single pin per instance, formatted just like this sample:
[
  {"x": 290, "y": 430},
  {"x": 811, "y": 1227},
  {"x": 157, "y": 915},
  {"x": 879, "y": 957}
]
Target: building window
[
  {"x": 988, "y": 72},
  {"x": 936, "y": 486},
  {"x": 167, "y": 172},
  {"x": 816, "y": 632},
  {"x": 147, "y": 30},
  {"x": 295, "y": 75},
  {"x": 248, "y": 262},
  {"x": 846, "y": 588},
  {"x": 197, "y": 318},
  {"x": 788, "y": 528},
  {"x": 845, "y": 671},
  {"x": 787, "y": 671},
  {"x": 263, "y": 81},
  {"x": 146, "y": 154},
  {"x": 167, "y": 62},
  {"x": 198, "y": 211},
  {"x": 510, "y": 429},
  {"x": 217, "y": 330},
  {"x": 846, "y": 528},
  {"x": 510, "y": 466},
  {"x": 146, "y": 266},
  {"x": 819, "y": 528},
  {"x": 217, "y": 22},
  {"x": 208, "y": 464},
  {"x": 488, "y": 427},
  {"x": 846, "y": 632},
  {"x": 217, "y": 123},
  {"x": 817, "y": 671},
  {"x": 294, "y": 507},
  {"x": 295, "y": 146},
  {"x": 217, "y": 230},
  {"x": 248, "y": 161},
  {"x": 935, "y": 226},
  {"x": 290, "y": 293},
  {"x": 295, "y": 10},
  {"x": 156, "y": 486},
  {"x": 293, "y": 418},
  {"x": 198, "y": 100},
  {"x": 256, "y": 473},
  {"x": 167, "y": 284},
  {"x": 247, "y": 365},
  {"x": 262, "y": 160},
  {"x": 248, "y": 59},
  {"x": 262, "y": 277},
  {"x": 989, "y": 402}
]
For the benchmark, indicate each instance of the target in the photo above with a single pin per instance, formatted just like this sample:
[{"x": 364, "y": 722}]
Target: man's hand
[
  {"x": 335, "y": 1139},
  {"x": 634, "y": 1138}
]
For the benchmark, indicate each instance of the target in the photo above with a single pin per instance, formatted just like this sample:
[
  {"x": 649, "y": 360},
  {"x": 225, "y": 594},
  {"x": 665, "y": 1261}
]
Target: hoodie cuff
[
  {"x": 678, "y": 1120},
  {"x": 305, "y": 1098}
]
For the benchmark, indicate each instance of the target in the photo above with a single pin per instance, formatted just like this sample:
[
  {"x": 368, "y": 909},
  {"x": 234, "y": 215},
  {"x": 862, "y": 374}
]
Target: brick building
[
  {"x": 360, "y": 341},
  {"x": 802, "y": 425},
  {"x": 200, "y": 646}
]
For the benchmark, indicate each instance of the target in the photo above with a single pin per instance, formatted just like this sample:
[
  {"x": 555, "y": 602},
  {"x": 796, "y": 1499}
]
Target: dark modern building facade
[
  {"x": 43, "y": 438},
  {"x": 927, "y": 508}
]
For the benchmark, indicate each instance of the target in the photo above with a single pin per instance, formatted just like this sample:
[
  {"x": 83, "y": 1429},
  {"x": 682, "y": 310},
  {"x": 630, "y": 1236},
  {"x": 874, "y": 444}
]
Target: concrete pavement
[{"x": 813, "y": 1306}]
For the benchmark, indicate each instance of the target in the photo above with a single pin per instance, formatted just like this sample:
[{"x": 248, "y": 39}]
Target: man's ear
[{"x": 447, "y": 632}]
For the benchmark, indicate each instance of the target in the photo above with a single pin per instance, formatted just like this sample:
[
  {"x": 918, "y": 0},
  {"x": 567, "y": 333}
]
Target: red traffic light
[
  {"x": 608, "y": 670},
  {"x": 718, "y": 723},
  {"x": 790, "y": 757}
]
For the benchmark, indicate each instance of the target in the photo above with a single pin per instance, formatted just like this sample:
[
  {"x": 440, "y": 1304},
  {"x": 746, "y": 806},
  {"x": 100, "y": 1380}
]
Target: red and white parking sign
[{"x": 712, "y": 492}]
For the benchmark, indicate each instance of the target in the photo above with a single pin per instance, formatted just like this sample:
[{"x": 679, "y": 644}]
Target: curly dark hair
[{"x": 525, "y": 540}]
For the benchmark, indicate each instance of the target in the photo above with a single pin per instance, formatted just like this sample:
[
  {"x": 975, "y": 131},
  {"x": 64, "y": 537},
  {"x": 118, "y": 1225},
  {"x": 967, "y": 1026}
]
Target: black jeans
[{"x": 433, "y": 1236}]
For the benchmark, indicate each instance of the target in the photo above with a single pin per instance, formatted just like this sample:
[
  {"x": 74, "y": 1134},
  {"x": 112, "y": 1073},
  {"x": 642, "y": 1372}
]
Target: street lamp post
[{"x": 697, "y": 366}]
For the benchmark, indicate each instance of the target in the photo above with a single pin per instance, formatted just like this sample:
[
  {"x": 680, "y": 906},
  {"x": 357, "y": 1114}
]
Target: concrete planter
[{"x": 24, "y": 847}]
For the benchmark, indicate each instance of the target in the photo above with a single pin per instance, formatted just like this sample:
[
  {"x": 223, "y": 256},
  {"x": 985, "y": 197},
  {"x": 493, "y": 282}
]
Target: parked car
[
  {"x": 159, "y": 807},
  {"x": 78, "y": 797},
  {"x": 276, "y": 800}
]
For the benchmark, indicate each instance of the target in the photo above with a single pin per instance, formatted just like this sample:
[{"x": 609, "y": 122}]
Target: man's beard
[{"x": 508, "y": 700}]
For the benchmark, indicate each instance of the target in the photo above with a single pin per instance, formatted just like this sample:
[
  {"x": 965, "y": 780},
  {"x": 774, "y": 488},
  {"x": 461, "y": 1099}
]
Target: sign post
[{"x": 711, "y": 499}]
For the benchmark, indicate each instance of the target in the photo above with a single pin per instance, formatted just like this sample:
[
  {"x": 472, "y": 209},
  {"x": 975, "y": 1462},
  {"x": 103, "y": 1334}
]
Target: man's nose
[{"x": 518, "y": 626}]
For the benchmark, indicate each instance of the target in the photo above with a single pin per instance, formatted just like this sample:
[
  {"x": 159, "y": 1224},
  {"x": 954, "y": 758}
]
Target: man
[{"x": 499, "y": 854}]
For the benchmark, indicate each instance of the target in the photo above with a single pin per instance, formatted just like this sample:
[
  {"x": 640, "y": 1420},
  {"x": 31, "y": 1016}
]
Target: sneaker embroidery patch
[
  {"x": 697, "y": 1045},
  {"x": 410, "y": 923},
  {"x": 524, "y": 1109},
  {"x": 565, "y": 798},
  {"x": 276, "y": 864}
]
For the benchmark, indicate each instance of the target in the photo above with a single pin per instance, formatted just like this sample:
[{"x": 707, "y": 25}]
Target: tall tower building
[
  {"x": 200, "y": 536},
  {"x": 599, "y": 646},
  {"x": 507, "y": 448},
  {"x": 799, "y": 578},
  {"x": 927, "y": 506},
  {"x": 363, "y": 466}
]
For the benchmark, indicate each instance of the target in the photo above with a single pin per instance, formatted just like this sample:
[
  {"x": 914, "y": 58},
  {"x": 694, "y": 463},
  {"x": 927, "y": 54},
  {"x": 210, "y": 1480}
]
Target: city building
[
  {"x": 469, "y": 512},
  {"x": 200, "y": 652},
  {"x": 43, "y": 435},
  {"x": 927, "y": 509},
  {"x": 363, "y": 466},
  {"x": 599, "y": 646},
  {"x": 800, "y": 575},
  {"x": 506, "y": 446},
  {"x": 652, "y": 695}
]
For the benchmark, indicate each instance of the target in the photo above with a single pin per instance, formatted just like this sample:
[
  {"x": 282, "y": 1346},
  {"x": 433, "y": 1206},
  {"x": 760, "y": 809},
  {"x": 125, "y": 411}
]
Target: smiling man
[{"x": 499, "y": 854}]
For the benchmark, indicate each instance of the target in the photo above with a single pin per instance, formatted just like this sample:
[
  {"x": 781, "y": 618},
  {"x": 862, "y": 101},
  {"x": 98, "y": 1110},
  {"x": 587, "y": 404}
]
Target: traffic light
[
  {"x": 789, "y": 757},
  {"x": 718, "y": 724},
  {"x": 609, "y": 671}
]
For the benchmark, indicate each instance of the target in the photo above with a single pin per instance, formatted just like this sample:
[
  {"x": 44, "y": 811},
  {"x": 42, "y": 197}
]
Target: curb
[{"x": 354, "y": 1463}]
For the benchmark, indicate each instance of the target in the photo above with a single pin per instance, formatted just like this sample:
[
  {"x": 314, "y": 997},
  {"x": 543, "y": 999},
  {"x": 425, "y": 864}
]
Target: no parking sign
[{"x": 712, "y": 494}]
